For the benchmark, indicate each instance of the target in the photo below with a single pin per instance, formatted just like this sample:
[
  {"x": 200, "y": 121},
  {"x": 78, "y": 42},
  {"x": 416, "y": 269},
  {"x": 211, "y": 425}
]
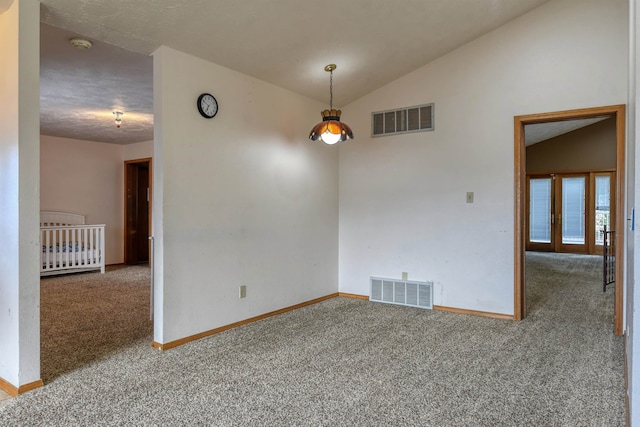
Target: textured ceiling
[
  {"x": 80, "y": 89},
  {"x": 284, "y": 42}
]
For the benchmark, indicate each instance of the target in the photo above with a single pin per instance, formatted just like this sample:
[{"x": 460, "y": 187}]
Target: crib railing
[
  {"x": 72, "y": 248},
  {"x": 609, "y": 258}
]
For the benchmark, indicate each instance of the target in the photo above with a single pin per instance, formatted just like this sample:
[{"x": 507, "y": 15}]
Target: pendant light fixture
[
  {"x": 331, "y": 130},
  {"x": 118, "y": 115}
]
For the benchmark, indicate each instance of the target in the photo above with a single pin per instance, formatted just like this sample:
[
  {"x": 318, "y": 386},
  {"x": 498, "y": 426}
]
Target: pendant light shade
[{"x": 331, "y": 130}]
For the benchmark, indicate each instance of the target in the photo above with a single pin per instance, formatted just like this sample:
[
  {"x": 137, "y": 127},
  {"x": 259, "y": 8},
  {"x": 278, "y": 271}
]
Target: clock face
[{"x": 207, "y": 105}]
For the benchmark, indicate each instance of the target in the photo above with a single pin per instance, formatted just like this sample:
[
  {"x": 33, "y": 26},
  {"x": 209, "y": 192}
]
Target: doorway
[
  {"x": 520, "y": 189},
  {"x": 137, "y": 211}
]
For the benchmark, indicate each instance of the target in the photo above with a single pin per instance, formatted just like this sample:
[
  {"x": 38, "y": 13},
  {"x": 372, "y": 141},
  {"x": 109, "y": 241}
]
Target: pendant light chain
[{"x": 331, "y": 91}]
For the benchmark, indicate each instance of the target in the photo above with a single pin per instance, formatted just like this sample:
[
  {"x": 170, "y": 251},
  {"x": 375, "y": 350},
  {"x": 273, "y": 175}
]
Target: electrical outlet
[
  {"x": 470, "y": 197},
  {"x": 243, "y": 291},
  {"x": 405, "y": 276}
]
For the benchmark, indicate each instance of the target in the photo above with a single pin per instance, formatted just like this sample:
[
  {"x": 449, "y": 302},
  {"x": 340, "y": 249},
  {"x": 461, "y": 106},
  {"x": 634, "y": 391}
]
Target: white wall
[
  {"x": 19, "y": 199},
  {"x": 86, "y": 177},
  {"x": 403, "y": 198},
  {"x": 138, "y": 150},
  {"x": 632, "y": 260},
  {"x": 241, "y": 199}
]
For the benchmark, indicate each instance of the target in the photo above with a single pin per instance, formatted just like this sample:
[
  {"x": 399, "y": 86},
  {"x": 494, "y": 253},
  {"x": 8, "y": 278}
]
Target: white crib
[{"x": 69, "y": 245}]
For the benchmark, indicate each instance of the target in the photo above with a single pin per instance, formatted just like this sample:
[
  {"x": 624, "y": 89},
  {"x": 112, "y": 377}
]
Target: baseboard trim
[
  {"x": 185, "y": 340},
  {"x": 474, "y": 312},
  {"x": 8, "y": 387},
  {"x": 443, "y": 308},
  {"x": 356, "y": 296},
  {"x": 172, "y": 344},
  {"x": 15, "y": 391}
]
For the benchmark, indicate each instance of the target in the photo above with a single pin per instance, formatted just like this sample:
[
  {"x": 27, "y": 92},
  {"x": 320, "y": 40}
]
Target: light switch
[{"x": 470, "y": 197}]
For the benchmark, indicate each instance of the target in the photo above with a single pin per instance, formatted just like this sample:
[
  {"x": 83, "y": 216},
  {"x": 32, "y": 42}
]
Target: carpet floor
[{"x": 339, "y": 362}]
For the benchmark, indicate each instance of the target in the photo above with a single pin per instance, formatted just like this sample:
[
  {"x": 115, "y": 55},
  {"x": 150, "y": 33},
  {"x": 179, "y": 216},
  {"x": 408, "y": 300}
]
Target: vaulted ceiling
[{"x": 284, "y": 42}]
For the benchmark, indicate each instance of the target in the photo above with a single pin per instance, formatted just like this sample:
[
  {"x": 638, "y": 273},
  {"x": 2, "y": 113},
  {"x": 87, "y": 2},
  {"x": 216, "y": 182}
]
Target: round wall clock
[{"x": 207, "y": 105}]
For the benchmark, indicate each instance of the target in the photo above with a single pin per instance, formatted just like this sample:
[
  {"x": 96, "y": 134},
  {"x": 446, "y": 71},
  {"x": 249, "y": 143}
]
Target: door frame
[
  {"x": 618, "y": 112},
  {"x": 126, "y": 173}
]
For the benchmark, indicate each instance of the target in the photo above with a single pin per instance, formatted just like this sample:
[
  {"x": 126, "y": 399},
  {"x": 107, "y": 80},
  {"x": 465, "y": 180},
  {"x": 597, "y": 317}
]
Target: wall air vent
[
  {"x": 402, "y": 292},
  {"x": 404, "y": 120}
]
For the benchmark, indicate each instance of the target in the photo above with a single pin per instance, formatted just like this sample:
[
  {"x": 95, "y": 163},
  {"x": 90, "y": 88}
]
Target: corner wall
[
  {"x": 19, "y": 196},
  {"x": 402, "y": 198},
  {"x": 241, "y": 199}
]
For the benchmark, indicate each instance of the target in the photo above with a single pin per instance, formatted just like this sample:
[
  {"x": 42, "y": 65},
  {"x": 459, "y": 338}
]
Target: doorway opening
[
  {"x": 617, "y": 112},
  {"x": 137, "y": 211}
]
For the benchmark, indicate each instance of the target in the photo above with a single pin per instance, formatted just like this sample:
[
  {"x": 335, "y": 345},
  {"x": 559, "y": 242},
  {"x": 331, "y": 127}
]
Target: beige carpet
[
  {"x": 4, "y": 398},
  {"x": 340, "y": 362},
  {"x": 87, "y": 317}
]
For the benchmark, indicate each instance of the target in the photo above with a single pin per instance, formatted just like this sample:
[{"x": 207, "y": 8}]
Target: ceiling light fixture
[
  {"x": 118, "y": 115},
  {"x": 331, "y": 130},
  {"x": 80, "y": 43}
]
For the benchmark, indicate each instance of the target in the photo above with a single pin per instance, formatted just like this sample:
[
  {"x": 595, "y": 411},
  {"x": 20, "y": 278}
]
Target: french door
[{"x": 568, "y": 212}]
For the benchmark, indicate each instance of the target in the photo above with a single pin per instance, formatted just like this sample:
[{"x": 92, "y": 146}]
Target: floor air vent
[{"x": 413, "y": 294}]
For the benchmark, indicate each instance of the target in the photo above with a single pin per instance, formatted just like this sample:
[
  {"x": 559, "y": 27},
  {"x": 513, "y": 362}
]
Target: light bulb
[{"x": 330, "y": 138}]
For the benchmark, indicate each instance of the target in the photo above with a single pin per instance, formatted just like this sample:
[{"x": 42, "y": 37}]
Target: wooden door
[{"x": 137, "y": 204}]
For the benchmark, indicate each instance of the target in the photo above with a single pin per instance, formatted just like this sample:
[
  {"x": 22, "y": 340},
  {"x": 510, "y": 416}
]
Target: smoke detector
[{"x": 80, "y": 43}]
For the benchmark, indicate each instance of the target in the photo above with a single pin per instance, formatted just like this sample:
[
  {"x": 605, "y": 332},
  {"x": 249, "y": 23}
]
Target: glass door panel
[
  {"x": 571, "y": 216},
  {"x": 603, "y": 207},
  {"x": 540, "y": 210},
  {"x": 539, "y": 227},
  {"x": 573, "y": 192}
]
